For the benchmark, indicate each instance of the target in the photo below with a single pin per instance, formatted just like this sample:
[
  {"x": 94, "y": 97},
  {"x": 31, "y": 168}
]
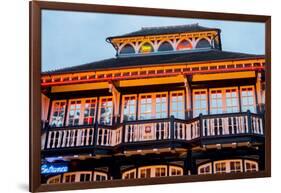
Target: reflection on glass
[
  {"x": 184, "y": 45},
  {"x": 165, "y": 46},
  {"x": 89, "y": 111},
  {"x": 216, "y": 102},
  {"x": 129, "y": 108},
  {"x": 74, "y": 112},
  {"x": 106, "y": 109},
  {"x": 247, "y": 99},
  {"x": 200, "y": 103},
  {"x": 231, "y": 101},
  {"x": 146, "y": 107},
  {"x": 161, "y": 106},
  {"x": 177, "y": 105},
  {"x": 58, "y": 114}
]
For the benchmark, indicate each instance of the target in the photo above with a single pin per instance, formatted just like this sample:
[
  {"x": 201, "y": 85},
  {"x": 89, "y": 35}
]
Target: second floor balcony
[{"x": 156, "y": 133}]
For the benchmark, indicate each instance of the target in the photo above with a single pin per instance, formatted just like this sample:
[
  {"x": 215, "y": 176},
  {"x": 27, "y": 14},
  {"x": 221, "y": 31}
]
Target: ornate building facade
[{"x": 171, "y": 102}]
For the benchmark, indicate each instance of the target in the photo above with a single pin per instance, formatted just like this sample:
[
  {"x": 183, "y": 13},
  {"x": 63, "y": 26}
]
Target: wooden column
[
  {"x": 189, "y": 164},
  {"x": 116, "y": 101},
  {"x": 188, "y": 98},
  {"x": 259, "y": 91}
]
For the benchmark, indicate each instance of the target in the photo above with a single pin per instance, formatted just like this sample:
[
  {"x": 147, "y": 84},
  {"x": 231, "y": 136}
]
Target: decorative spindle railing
[
  {"x": 204, "y": 126},
  {"x": 109, "y": 137},
  {"x": 70, "y": 138},
  {"x": 147, "y": 130}
]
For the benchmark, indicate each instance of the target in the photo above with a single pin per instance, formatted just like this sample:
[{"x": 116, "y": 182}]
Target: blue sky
[{"x": 74, "y": 38}]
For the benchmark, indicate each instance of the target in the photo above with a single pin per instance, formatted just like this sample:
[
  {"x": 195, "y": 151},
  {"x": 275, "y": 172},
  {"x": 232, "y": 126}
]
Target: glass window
[
  {"x": 200, "y": 102},
  {"x": 248, "y": 99},
  {"x": 131, "y": 174},
  {"x": 184, "y": 45},
  {"x": 231, "y": 96},
  {"x": 251, "y": 166},
  {"x": 161, "y": 106},
  {"x": 216, "y": 102},
  {"x": 106, "y": 110},
  {"x": 153, "y": 106},
  {"x": 99, "y": 176},
  {"x": 127, "y": 49},
  {"x": 224, "y": 100},
  {"x": 146, "y": 48},
  {"x": 205, "y": 169},
  {"x": 145, "y": 107},
  {"x": 54, "y": 180},
  {"x": 165, "y": 46},
  {"x": 220, "y": 167},
  {"x": 129, "y": 108},
  {"x": 145, "y": 173},
  {"x": 203, "y": 43},
  {"x": 69, "y": 178},
  {"x": 176, "y": 171},
  {"x": 160, "y": 171},
  {"x": 177, "y": 104},
  {"x": 81, "y": 111},
  {"x": 235, "y": 166},
  {"x": 228, "y": 166},
  {"x": 58, "y": 111},
  {"x": 85, "y": 177},
  {"x": 74, "y": 112},
  {"x": 89, "y": 111}
]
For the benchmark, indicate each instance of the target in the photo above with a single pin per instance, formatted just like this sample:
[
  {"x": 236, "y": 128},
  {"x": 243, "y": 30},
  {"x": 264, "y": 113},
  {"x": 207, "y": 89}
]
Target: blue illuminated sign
[{"x": 53, "y": 169}]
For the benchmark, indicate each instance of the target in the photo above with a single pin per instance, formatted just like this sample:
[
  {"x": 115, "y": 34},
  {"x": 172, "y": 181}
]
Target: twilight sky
[{"x": 74, "y": 38}]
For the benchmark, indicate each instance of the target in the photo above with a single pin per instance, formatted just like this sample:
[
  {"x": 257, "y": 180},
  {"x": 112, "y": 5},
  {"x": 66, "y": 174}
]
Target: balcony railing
[{"x": 202, "y": 127}]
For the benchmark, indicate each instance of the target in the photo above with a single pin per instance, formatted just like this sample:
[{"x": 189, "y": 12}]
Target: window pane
[
  {"x": 129, "y": 108},
  {"x": 165, "y": 46},
  {"x": 106, "y": 111}
]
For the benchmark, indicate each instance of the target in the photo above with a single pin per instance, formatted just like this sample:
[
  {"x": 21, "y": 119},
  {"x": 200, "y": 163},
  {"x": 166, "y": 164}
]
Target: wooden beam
[
  {"x": 223, "y": 76},
  {"x": 79, "y": 87}
]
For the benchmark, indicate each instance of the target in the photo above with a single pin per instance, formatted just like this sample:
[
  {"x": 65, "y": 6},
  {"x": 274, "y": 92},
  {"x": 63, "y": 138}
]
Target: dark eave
[
  {"x": 147, "y": 31},
  {"x": 158, "y": 59}
]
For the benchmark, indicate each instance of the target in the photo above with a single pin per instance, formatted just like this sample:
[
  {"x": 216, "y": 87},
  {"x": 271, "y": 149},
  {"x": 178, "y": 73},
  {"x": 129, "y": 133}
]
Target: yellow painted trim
[
  {"x": 79, "y": 87},
  {"x": 151, "y": 81},
  {"x": 223, "y": 76}
]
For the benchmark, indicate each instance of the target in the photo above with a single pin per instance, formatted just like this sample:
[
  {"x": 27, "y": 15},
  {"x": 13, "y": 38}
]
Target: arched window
[
  {"x": 203, "y": 43},
  {"x": 165, "y": 46},
  {"x": 205, "y": 169},
  {"x": 184, "y": 45},
  {"x": 127, "y": 49},
  {"x": 146, "y": 48}
]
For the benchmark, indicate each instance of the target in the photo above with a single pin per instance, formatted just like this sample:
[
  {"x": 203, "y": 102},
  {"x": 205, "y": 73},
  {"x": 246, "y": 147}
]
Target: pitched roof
[
  {"x": 154, "y": 60},
  {"x": 144, "y": 31}
]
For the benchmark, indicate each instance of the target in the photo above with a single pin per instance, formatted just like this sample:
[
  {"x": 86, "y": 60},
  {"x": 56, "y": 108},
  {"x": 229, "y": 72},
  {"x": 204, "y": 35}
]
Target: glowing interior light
[{"x": 146, "y": 48}]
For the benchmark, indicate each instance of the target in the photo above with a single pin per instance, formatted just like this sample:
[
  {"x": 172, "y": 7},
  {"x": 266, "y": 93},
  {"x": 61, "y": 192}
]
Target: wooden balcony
[{"x": 205, "y": 129}]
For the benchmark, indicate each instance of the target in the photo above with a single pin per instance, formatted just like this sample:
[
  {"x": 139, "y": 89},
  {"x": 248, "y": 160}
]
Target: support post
[
  {"x": 201, "y": 125},
  {"x": 249, "y": 117},
  {"x": 114, "y": 170},
  {"x": 190, "y": 164},
  {"x": 188, "y": 99},
  {"x": 96, "y": 133},
  {"x": 259, "y": 91},
  {"x": 116, "y": 101},
  {"x": 172, "y": 122}
]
